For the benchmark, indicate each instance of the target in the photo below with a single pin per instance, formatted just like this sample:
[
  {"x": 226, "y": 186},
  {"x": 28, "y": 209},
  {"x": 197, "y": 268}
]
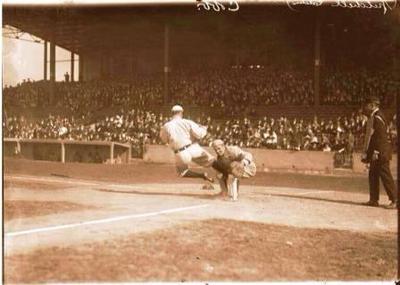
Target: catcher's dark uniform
[
  {"x": 234, "y": 164},
  {"x": 244, "y": 166},
  {"x": 378, "y": 153}
]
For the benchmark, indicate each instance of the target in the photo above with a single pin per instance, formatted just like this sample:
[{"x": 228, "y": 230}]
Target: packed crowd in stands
[
  {"x": 351, "y": 88},
  {"x": 237, "y": 92},
  {"x": 140, "y": 127},
  {"x": 233, "y": 90},
  {"x": 121, "y": 111}
]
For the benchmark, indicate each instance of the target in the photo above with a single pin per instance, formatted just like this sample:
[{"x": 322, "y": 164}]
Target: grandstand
[
  {"x": 159, "y": 40},
  {"x": 257, "y": 67},
  {"x": 91, "y": 194}
]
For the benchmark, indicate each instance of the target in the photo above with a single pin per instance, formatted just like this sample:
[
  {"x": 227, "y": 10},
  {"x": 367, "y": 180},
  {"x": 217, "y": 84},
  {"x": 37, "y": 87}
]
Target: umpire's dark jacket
[{"x": 379, "y": 139}]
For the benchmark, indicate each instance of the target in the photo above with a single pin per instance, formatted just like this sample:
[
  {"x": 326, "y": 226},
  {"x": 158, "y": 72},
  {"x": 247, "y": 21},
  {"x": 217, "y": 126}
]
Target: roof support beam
[
  {"x": 317, "y": 58},
  {"x": 52, "y": 61},
  {"x": 166, "y": 62},
  {"x": 45, "y": 61},
  {"x": 52, "y": 71},
  {"x": 72, "y": 66},
  {"x": 81, "y": 67}
]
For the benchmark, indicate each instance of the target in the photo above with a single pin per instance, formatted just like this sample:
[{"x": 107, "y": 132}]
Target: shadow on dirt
[
  {"x": 320, "y": 199},
  {"x": 201, "y": 196}
]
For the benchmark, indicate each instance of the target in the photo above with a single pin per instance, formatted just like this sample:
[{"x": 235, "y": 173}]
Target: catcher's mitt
[{"x": 237, "y": 169}]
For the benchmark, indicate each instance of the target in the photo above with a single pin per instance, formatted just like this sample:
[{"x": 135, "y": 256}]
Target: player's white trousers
[
  {"x": 193, "y": 153},
  {"x": 233, "y": 188}
]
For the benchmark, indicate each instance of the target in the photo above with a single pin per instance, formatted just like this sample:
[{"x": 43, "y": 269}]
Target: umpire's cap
[{"x": 372, "y": 99}]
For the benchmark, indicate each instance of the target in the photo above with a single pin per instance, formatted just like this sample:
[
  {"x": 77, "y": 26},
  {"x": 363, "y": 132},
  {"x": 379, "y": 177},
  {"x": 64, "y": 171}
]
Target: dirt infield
[
  {"x": 82, "y": 223},
  {"x": 152, "y": 173},
  {"x": 217, "y": 250},
  {"x": 24, "y": 209},
  {"x": 33, "y": 186}
]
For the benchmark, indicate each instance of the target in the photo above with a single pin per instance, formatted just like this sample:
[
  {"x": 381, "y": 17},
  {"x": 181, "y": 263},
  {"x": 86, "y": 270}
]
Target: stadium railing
[
  {"x": 68, "y": 150},
  {"x": 308, "y": 162}
]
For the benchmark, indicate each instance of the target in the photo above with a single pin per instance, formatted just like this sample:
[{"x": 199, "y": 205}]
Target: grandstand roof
[
  {"x": 75, "y": 28},
  {"x": 80, "y": 28}
]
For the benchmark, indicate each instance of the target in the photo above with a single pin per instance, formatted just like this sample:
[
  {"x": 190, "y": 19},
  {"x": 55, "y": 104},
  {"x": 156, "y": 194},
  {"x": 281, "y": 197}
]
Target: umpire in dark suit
[{"x": 378, "y": 153}]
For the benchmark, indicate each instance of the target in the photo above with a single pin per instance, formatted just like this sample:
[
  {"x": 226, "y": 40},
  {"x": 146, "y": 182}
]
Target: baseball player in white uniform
[
  {"x": 232, "y": 163},
  {"x": 182, "y": 135}
]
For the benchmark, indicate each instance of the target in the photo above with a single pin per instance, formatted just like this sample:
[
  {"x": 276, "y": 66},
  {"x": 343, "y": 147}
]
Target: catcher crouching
[{"x": 232, "y": 164}]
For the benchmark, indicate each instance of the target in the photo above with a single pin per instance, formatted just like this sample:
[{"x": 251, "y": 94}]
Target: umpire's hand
[{"x": 364, "y": 158}]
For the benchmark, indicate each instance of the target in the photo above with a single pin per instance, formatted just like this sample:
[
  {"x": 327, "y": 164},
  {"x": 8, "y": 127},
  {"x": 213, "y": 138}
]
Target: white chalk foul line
[
  {"x": 296, "y": 193},
  {"x": 77, "y": 182},
  {"x": 54, "y": 180},
  {"x": 315, "y": 192},
  {"x": 72, "y": 181},
  {"x": 102, "y": 221},
  {"x": 124, "y": 186}
]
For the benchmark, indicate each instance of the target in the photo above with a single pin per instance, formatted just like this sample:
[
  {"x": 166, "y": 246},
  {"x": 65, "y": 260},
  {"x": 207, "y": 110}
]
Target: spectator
[{"x": 132, "y": 112}]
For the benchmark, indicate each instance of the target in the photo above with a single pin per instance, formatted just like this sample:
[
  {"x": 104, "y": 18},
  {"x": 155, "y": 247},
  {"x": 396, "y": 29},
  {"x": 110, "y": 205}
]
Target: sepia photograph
[{"x": 200, "y": 141}]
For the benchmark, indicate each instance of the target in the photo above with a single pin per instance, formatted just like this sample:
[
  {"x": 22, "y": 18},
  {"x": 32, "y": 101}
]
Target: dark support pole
[
  {"x": 52, "y": 70},
  {"x": 317, "y": 58},
  {"x": 81, "y": 68},
  {"x": 166, "y": 62},
  {"x": 52, "y": 61},
  {"x": 45, "y": 61},
  {"x": 131, "y": 67},
  {"x": 72, "y": 66},
  {"x": 396, "y": 72},
  {"x": 102, "y": 64}
]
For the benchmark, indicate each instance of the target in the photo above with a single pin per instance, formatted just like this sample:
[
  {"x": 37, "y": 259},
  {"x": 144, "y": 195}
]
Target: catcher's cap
[
  {"x": 372, "y": 99},
  {"x": 217, "y": 142},
  {"x": 177, "y": 108}
]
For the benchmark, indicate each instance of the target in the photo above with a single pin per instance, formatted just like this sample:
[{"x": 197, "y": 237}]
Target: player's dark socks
[{"x": 193, "y": 174}]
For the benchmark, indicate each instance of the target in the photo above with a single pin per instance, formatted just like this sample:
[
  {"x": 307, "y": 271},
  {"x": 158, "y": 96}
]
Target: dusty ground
[
  {"x": 33, "y": 186},
  {"x": 25, "y": 209},
  {"x": 150, "y": 173},
  {"x": 222, "y": 250},
  {"x": 102, "y": 223}
]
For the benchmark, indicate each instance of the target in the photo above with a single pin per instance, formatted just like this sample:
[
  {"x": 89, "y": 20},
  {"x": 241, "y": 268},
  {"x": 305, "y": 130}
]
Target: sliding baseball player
[{"x": 182, "y": 136}]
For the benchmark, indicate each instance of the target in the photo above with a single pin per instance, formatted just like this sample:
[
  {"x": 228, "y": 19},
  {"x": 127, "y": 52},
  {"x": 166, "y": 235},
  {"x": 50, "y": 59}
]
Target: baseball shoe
[
  {"x": 222, "y": 195},
  {"x": 207, "y": 187},
  {"x": 371, "y": 203},
  {"x": 391, "y": 205},
  {"x": 208, "y": 178}
]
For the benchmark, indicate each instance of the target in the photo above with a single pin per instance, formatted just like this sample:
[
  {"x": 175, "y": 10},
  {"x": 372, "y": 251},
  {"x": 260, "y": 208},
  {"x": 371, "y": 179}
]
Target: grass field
[{"x": 102, "y": 223}]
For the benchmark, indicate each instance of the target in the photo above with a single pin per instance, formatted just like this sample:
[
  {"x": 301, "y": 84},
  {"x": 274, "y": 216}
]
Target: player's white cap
[{"x": 177, "y": 108}]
